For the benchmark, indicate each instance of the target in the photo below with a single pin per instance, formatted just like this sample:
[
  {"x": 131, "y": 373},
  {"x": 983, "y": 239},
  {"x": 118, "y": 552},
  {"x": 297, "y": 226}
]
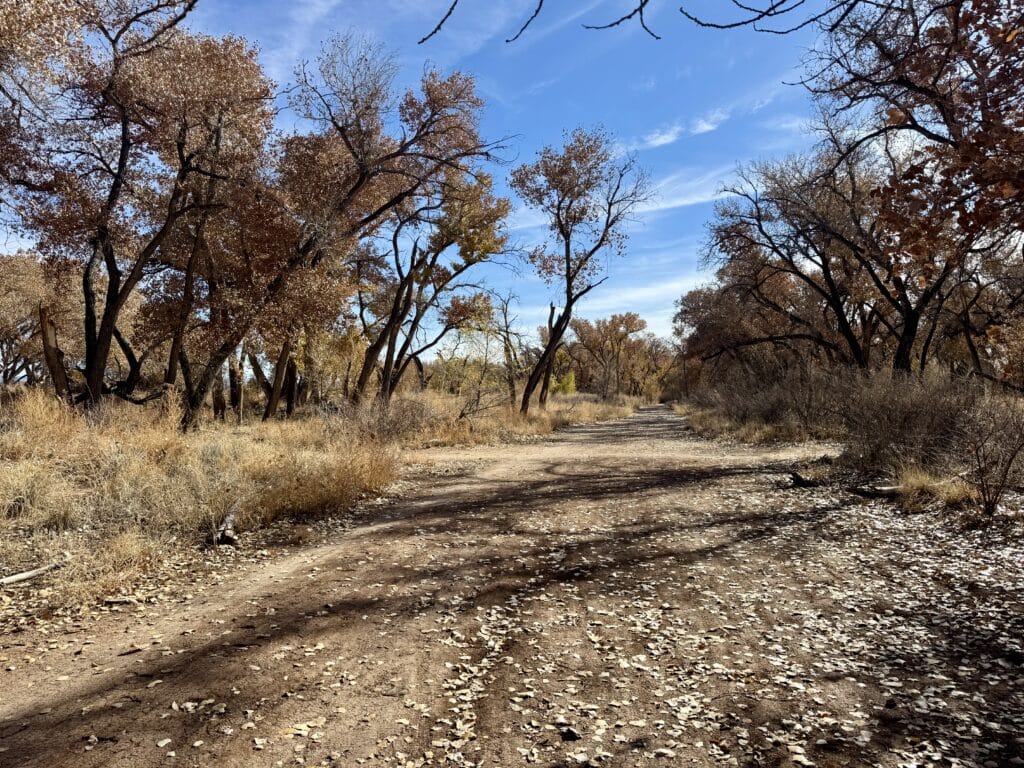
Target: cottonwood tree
[
  {"x": 148, "y": 160},
  {"x": 607, "y": 348},
  {"x": 419, "y": 288},
  {"x": 587, "y": 193},
  {"x": 100, "y": 187},
  {"x": 826, "y": 263},
  {"x": 947, "y": 74}
]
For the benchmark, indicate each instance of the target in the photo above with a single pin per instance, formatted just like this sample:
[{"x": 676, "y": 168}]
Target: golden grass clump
[{"x": 921, "y": 490}]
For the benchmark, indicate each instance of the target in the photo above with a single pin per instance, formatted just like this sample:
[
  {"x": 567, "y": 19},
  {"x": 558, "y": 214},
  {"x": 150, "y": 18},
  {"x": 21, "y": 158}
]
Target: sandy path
[{"x": 620, "y": 594}]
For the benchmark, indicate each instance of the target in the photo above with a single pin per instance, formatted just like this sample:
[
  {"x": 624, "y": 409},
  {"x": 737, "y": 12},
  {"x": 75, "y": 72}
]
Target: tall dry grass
[{"x": 118, "y": 486}]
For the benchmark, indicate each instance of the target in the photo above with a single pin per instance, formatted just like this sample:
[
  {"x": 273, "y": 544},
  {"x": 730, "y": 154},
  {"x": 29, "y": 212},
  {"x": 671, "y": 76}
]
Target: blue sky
[{"x": 692, "y": 105}]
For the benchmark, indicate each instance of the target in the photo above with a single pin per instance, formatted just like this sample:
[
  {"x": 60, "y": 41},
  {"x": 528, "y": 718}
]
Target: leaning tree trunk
[
  {"x": 545, "y": 387},
  {"x": 279, "y": 373},
  {"x": 546, "y": 359}
]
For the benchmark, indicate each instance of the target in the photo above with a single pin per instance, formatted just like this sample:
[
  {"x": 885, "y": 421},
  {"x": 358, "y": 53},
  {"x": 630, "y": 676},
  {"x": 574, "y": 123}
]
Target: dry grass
[
  {"x": 112, "y": 487},
  {"x": 921, "y": 490},
  {"x": 429, "y": 418},
  {"x": 713, "y": 422},
  {"x": 119, "y": 490}
]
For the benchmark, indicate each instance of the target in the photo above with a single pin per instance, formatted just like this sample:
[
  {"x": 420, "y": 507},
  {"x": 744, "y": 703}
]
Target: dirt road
[{"x": 622, "y": 594}]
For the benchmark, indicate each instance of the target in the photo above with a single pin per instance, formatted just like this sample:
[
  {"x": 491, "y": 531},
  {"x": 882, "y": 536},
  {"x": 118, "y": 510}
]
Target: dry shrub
[
  {"x": 948, "y": 440},
  {"x": 894, "y": 421},
  {"x": 992, "y": 443},
  {"x": 763, "y": 406}
]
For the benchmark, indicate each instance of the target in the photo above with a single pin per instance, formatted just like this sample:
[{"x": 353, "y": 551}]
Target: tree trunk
[
  {"x": 510, "y": 374},
  {"x": 901, "y": 362},
  {"x": 220, "y": 406},
  {"x": 547, "y": 356},
  {"x": 54, "y": 357},
  {"x": 291, "y": 386},
  {"x": 542, "y": 400},
  {"x": 236, "y": 381},
  {"x": 278, "y": 385},
  {"x": 260, "y": 376}
]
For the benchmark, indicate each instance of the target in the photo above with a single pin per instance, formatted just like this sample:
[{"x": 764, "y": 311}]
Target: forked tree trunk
[{"x": 546, "y": 358}]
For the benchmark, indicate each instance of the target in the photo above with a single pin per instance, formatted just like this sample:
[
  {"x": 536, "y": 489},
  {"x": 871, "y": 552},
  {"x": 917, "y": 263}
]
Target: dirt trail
[{"x": 621, "y": 594}]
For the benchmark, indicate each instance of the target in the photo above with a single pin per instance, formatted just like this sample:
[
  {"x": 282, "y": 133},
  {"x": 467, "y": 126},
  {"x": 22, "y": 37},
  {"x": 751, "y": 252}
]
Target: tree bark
[
  {"x": 54, "y": 357},
  {"x": 220, "y": 406},
  {"x": 291, "y": 386}
]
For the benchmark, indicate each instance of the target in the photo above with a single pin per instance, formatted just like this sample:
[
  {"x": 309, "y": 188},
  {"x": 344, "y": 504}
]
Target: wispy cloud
[
  {"x": 709, "y": 121},
  {"x": 615, "y": 297},
  {"x": 537, "y": 33},
  {"x": 523, "y": 218},
  {"x": 688, "y": 186},
  {"x": 666, "y": 135}
]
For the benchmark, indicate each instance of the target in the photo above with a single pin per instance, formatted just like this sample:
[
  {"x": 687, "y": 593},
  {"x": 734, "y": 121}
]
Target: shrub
[
  {"x": 993, "y": 443},
  {"x": 897, "y": 421}
]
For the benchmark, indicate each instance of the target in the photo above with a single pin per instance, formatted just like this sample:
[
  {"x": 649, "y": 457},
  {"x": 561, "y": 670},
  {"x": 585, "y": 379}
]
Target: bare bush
[
  {"x": 769, "y": 406},
  {"x": 992, "y": 438},
  {"x": 896, "y": 421}
]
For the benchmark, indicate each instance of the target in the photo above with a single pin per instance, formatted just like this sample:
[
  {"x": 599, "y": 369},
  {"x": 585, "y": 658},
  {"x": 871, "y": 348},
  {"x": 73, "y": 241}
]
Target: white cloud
[
  {"x": 709, "y": 121},
  {"x": 611, "y": 298},
  {"x": 523, "y": 218},
  {"x": 670, "y": 134},
  {"x": 662, "y": 137},
  {"x": 788, "y": 123}
]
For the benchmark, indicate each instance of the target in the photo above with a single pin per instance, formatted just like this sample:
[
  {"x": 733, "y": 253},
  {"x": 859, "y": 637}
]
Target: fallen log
[
  {"x": 877, "y": 491},
  {"x": 26, "y": 575}
]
